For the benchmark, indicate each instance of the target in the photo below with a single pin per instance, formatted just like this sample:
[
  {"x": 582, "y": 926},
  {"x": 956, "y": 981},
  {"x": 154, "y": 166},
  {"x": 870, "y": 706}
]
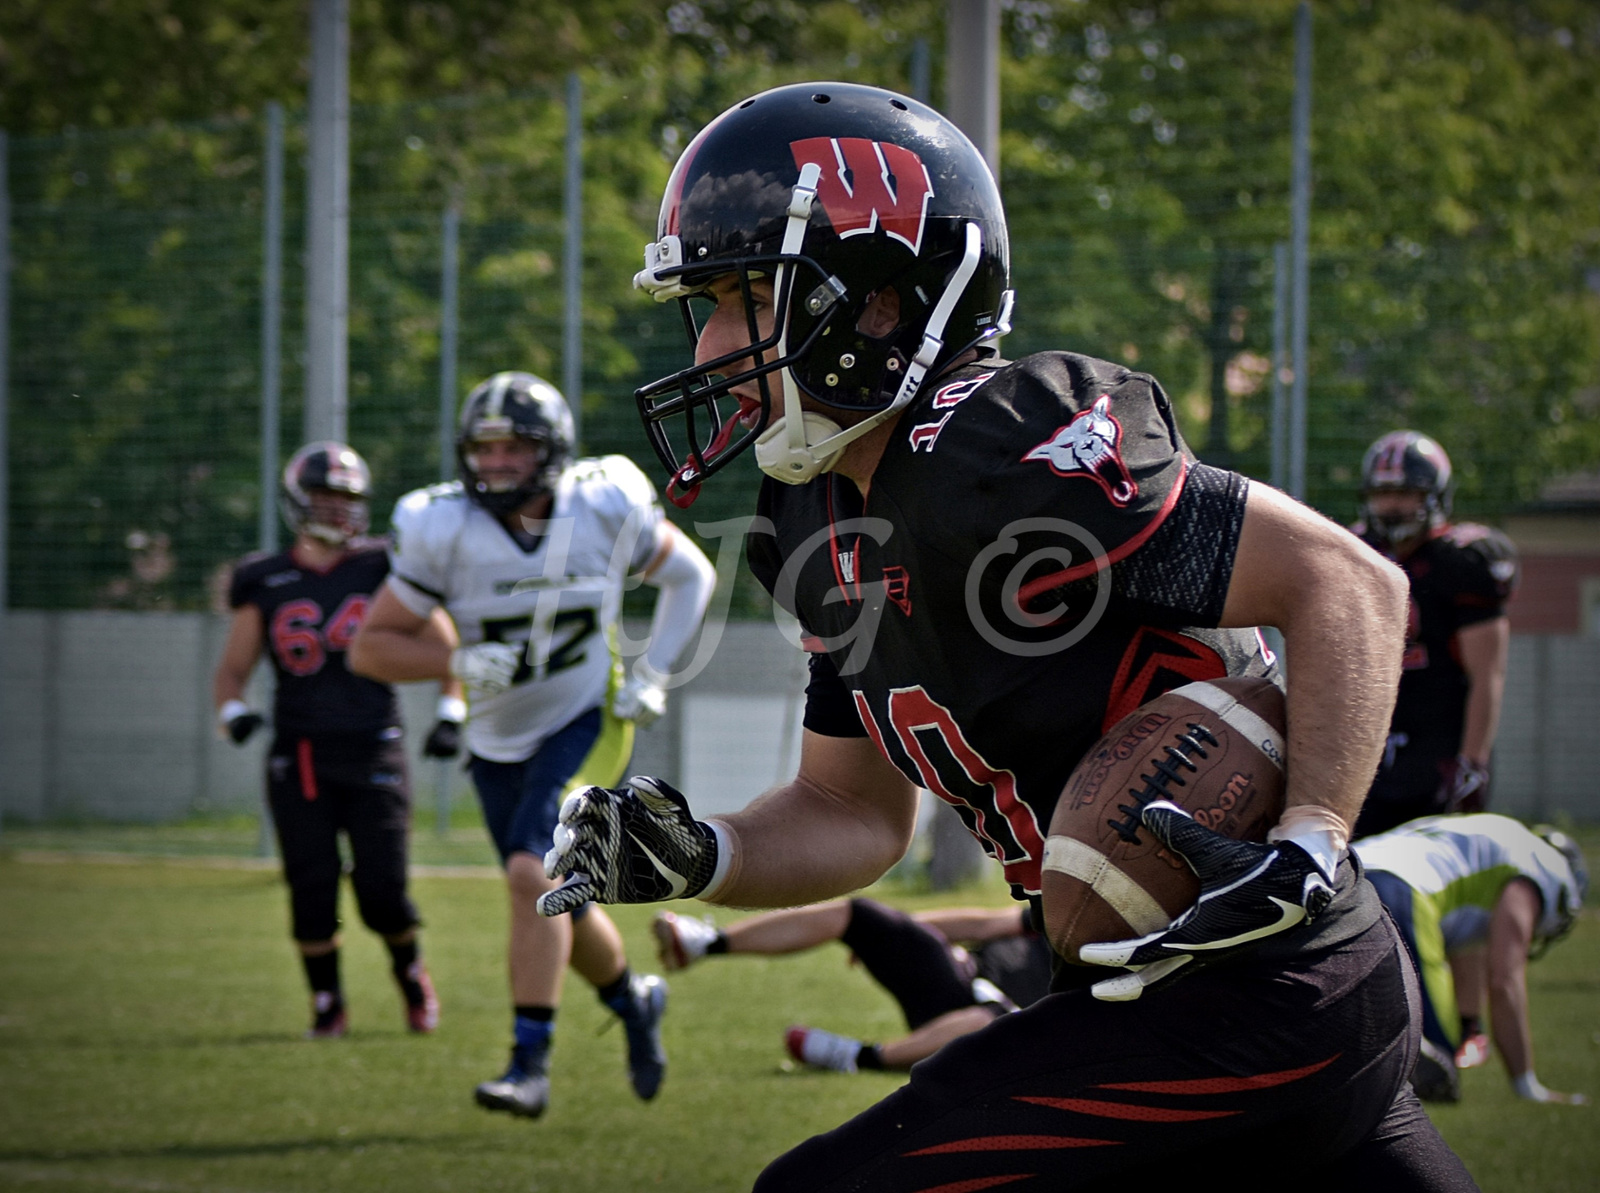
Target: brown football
[{"x": 1214, "y": 748}]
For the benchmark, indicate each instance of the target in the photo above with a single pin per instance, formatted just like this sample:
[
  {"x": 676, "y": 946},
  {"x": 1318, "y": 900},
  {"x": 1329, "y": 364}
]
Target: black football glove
[
  {"x": 243, "y": 725},
  {"x": 1247, "y": 893},
  {"x": 444, "y": 740},
  {"x": 637, "y": 843}
]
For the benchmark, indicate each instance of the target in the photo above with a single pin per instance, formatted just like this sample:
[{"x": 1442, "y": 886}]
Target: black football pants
[
  {"x": 1251, "y": 1075},
  {"x": 320, "y": 787}
]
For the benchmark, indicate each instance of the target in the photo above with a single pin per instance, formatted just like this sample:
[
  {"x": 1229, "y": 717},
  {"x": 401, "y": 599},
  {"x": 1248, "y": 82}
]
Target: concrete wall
[{"x": 107, "y": 716}]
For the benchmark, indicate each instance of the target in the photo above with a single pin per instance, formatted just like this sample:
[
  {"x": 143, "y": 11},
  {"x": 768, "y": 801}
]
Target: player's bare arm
[
  {"x": 837, "y": 826},
  {"x": 1341, "y": 608},
  {"x": 973, "y": 925},
  {"x": 1485, "y": 648},
  {"x": 240, "y": 653},
  {"x": 396, "y": 645}
]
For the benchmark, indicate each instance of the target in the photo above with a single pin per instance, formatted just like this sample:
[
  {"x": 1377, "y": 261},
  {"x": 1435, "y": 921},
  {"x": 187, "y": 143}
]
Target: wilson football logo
[{"x": 867, "y": 184}]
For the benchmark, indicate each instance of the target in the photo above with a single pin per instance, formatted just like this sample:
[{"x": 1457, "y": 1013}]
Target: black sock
[
  {"x": 1471, "y": 1025},
  {"x": 869, "y": 1057},
  {"x": 402, "y": 957},
  {"x": 719, "y": 945},
  {"x": 322, "y": 973},
  {"x": 619, "y": 994}
]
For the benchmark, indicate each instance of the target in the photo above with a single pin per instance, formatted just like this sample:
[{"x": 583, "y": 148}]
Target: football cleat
[
  {"x": 1435, "y": 1078},
  {"x": 1474, "y": 1051},
  {"x": 681, "y": 940},
  {"x": 328, "y": 1018},
  {"x": 516, "y": 1092},
  {"x": 647, "y": 1060},
  {"x": 422, "y": 1004},
  {"x": 822, "y": 1049}
]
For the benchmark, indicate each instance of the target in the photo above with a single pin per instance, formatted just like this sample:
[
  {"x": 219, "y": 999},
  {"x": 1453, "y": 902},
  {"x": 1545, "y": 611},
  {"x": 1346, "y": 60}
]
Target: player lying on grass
[
  {"x": 944, "y": 990},
  {"x": 337, "y": 761},
  {"x": 1487, "y": 894},
  {"x": 993, "y": 561}
]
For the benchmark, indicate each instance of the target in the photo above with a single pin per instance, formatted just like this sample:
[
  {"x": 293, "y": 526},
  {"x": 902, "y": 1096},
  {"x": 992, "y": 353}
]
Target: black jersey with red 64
[
  {"x": 1038, "y": 555},
  {"x": 308, "y": 618}
]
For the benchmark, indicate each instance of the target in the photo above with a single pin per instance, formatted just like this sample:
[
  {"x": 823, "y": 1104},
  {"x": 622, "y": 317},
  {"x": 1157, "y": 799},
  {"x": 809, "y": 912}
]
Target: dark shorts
[
  {"x": 521, "y": 800},
  {"x": 320, "y": 787},
  {"x": 1241, "y": 1073},
  {"x": 912, "y": 962}
]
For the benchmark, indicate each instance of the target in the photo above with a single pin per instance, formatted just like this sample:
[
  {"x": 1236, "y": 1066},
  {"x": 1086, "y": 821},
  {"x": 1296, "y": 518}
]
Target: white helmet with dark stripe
[{"x": 521, "y": 406}]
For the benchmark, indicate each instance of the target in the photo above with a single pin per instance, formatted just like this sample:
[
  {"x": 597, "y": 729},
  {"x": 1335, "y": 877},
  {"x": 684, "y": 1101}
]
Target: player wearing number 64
[{"x": 528, "y": 553}]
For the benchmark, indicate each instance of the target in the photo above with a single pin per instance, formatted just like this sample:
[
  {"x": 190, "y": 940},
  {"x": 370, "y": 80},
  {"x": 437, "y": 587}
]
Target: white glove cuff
[
  {"x": 1530, "y": 1087},
  {"x": 230, "y": 710},
  {"x": 719, "y": 875},
  {"x": 452, "y": 708},
  {"x": 1320, "y": 831}
]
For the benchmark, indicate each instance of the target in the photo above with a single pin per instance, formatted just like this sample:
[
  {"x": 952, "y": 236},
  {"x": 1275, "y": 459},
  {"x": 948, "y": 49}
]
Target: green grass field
[{"x": 151, "y": 1011}]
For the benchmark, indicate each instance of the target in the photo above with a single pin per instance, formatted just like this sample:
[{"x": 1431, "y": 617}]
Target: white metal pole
[
  {"x": 449, "y": 279},
  {"x": 972, "y": 91},
  {"x": 921, "y": 70},
  {"x": 972, "y": 74},
  {"x": 572, "y": 260},
  {"x": 327, "y": 222},
  {"x": 271, "y": 327},
  {"x": 1280, "y": 364},
  {"x": 1299, "y": 232},
  {"x": 5, "y": 397}
]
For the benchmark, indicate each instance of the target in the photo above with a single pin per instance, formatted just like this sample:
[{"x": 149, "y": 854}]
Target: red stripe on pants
[{"x": 308, "y": 772}]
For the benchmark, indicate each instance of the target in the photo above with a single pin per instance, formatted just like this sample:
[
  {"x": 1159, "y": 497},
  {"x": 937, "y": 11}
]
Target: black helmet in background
[
  {"x": 326, "y": 468},
  {"x": 1406, "y": 461},
  {"x": 514, "y": 406}
]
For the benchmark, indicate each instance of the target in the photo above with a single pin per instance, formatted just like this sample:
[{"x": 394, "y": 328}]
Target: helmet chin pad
[{"x": 782, "y": 462}]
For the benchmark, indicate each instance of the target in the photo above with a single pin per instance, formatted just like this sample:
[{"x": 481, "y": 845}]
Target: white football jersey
[
  {"x": 1461, "y": 863},
  {"x": 561, "y": 598}
]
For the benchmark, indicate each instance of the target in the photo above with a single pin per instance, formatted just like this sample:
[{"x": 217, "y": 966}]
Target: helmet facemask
[{"x": 837, "y": 193}]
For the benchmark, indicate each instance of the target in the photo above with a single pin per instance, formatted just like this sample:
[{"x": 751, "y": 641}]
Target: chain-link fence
[{"x": 1454, "y": 272}]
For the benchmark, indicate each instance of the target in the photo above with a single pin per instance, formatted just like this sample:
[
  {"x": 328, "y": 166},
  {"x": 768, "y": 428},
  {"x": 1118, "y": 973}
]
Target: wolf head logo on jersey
[{"x": 1091, "y": 445}]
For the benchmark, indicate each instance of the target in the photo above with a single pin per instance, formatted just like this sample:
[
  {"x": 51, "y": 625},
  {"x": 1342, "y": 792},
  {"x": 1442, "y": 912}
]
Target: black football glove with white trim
[
  {"x": 637, "y": 843},
  {"x": 1247, "y": 892}
]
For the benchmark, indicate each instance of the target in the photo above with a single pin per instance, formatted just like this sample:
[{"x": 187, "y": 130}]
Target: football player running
[
  {"x": 529, "y": 553},
  {"x": 337, "y": 762},
  {"x": 994, "y": 561},
  {"x": 1453, "y": 673},
  {"x": 1477, "y": 884}
]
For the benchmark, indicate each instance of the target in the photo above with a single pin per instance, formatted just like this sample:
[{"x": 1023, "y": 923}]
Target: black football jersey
[
  {"x": 1038, "y": 555},
  {"x": 1460, "y": 576},
  {"x": 308, "y": 619}
]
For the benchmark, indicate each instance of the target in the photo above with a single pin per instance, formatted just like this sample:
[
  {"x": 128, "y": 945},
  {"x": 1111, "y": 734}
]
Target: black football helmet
[
  {"x": 516, "y": 405},
  {"x": 833, "y": 192},
  {"x": 1573, "y": 892},
  {"x": 333, "y": 468},
  {"x": 1406, "y": 461}
]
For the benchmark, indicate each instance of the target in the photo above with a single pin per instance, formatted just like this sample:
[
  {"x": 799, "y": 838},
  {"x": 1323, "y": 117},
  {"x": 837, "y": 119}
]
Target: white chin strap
[{"x": 804, "y": 444}]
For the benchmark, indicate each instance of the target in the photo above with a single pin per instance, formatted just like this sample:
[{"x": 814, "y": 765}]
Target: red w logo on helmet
[{"x": 866, "y": 184}]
